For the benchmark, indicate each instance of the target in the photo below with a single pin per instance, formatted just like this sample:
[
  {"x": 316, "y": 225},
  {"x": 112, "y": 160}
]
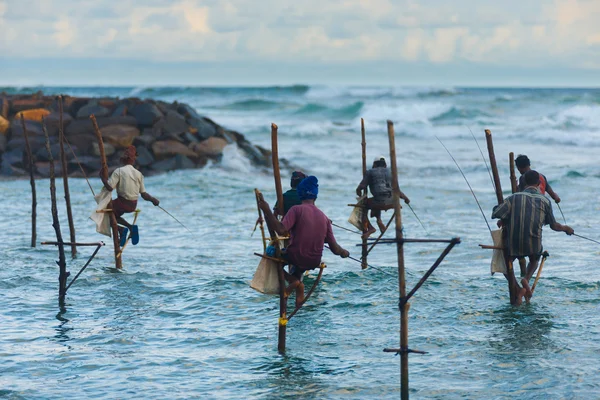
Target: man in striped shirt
[{"x": 524, "y": 214}]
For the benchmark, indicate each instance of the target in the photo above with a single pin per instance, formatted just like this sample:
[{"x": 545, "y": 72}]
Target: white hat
[{"x": 379, "y": 159}]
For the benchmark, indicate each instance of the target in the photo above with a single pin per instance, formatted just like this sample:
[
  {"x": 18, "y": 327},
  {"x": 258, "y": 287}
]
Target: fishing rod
[
  {"x": 370, "y": 266},
  {"x": 586, "y": 238},
  {"x": 418, "y": 219},
  {"x": 484, "y": 159},
  {"x": 171, "y": 215},
  {"x": 563, "y": 215},
  {"x": 346, "y": 229},
  {"x": 468, "y": 184}
]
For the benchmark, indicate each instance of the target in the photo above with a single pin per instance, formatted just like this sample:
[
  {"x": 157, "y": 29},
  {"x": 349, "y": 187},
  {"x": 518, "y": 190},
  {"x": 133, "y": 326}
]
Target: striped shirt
[{"x": 524, "y": 214}]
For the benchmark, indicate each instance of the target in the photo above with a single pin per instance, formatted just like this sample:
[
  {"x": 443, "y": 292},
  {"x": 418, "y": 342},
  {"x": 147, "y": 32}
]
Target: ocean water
[{"x": 180, "y": 321}]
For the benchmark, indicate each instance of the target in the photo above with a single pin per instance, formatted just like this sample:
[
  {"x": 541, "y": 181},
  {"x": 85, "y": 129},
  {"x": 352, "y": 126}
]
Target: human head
[
  {"x": 129, "y": 155},
  {"x": 523, "y": 164},
  {"x": 379, "y": 162},
  {"x": 532, "y": 178},
  {"x": 297, "y": 177},
  {"x": 308, "y": 188}
]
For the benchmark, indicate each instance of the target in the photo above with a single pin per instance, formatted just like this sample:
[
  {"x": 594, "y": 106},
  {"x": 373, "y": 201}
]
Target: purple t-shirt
[{"x": 309, "y": 229}]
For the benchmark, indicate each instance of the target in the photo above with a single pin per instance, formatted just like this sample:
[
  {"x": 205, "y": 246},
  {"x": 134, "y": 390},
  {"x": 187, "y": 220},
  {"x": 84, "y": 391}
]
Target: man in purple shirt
[{"x": 309, "y": 229}]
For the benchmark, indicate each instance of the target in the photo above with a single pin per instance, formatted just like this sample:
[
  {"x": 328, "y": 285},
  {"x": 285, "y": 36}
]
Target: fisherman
[
  {"x": 523, "y": 165},
  {"x": 290, "y": 198},
  {"x": 129, "y": 183},
  {"x": 524, "y": 214},
  {"x": 379, "y": 181},
  {"x": 309, "y": 228}
]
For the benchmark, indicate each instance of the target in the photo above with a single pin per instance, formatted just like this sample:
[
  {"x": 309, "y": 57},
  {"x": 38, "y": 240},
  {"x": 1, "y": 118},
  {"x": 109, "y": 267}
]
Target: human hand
[
  {"x": 155, "y": 201},
  {"x": 345, "y": 253},
  {"x": 499, "y": 223},
  {"x": 262, "y": 204},
  {"x": 568, "y": 230},
  {"x": 406, "y": 199},
  {"x": 556, "y": 199}
]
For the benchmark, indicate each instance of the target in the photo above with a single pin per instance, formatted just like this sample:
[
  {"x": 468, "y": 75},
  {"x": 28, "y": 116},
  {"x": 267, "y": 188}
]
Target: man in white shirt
[{"x": 129, "y": 183}]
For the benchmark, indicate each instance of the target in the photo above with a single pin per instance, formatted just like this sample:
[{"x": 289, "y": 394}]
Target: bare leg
[
  {"x": 299, "y": 294},
  {"x": 381, "y": 225},
  {"x": 523, "y": 266},
  {"x": 370, "y": 230},
  {"x": 122, "y": 221}
]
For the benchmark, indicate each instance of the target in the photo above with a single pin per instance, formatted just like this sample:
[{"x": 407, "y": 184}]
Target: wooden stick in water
[
  {"x": 276, "y": 172},
  {"x": 32, "y": 183},
  {"x": 260, "y": 222},
  {"x": 62, "y": 277},
  {"x": 65, "y": 175},
  {"x": 513, "y": 177},
  {"x": 113, "y": 218}
]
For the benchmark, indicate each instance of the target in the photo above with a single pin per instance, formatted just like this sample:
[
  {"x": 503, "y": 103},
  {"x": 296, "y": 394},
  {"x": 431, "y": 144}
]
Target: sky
[{"x": 270, "y": 42}]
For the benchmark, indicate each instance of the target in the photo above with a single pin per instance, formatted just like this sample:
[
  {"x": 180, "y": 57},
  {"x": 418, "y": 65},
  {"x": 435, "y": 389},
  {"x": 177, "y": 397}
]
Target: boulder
[
  {"x": 190, "y": 137},
  {"x": 187, "y": 111},
  {"x": 92, "y": 108},
  {"x": 83, "y": 142},
  {"x": 120, "y": 136},
  {"x": 107, "y": 103},
  {"x": 120, "y": 111},
  {"x": 43, "y": 168},
  {"x": 35, "y": 143},
  {"x": 146, "y": 114},
  {"x": 203, "y": 128},
  {"x": 177, "y": 162},
  {"x": 42, "y": 154},
  {"x": 37, "y": 114},
  {"x": 52, "y": 120},
  {"x": 73, "y": 104},
  {"x": 109, "y": 149},
  {"x": 22, "y": 104},
  {"x": 254, "y": 153},
  {"x": 8, "y": 169},
  {"x": 4, "y": 125},
  {"x": 167, "y": 148},
  {"x": 210, "y": 147},
  {"x": 3, "y": 142},
  {"x": 4, "y": 107},
  {"x": 33, "y": 129},
  {"x": 144, "y": 157},
  {"x": 89, "y": 163},
  {"x": 85, "y": 125},
  {"x": 145, "y": 140},
  {"x": 174, "y": 123}
]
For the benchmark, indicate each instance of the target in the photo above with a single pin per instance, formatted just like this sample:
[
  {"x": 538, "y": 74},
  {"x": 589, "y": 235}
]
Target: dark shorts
[
  {"x": 295, "y": 270},
  {"x": 121, "y": 206},
  {"x": 376, "y": 204}
]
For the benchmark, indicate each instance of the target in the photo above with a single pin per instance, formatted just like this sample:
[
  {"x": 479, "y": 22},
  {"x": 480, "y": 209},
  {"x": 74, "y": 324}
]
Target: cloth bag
[
  {"x": 358, "y": 212},
  {"x": 266, "y": 277},
  {"x": 101, "y": 219},
  {"x": 498, "y": 263}
]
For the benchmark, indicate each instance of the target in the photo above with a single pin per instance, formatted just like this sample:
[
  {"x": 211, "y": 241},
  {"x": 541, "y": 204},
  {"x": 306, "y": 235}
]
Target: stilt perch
[
  {"x": 65, "y": 176},
  {"x": 32, "y": 183},
  {"x": 365, "y": 214}
]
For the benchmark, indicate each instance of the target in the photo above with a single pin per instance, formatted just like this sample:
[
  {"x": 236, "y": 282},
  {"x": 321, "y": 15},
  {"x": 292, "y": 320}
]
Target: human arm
[
  {"x": 552, "y": 193},
  {"x": 146, "y": 196},
  {"x": 333, "y": 244},
  {"x": 103, "y": 174},
  {"x": 404, "y": 197},
  {"x": 562, "y": 228},
  {"x": 272, "y": 222},
  {"x": 362, "y": 186}
]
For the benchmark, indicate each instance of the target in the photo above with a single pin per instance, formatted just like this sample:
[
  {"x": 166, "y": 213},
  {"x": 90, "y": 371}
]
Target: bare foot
[
  {"x": 368, "y": 233},
  {"x": 381, "y": 225},
  {"x": 528, "y": 292},
  {"x": 520, "y": 293}
]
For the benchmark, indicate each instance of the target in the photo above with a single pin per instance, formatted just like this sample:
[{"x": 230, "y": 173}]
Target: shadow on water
[
  {"x": 62, "y": 329},
  {"x": 523, "y": 330}
]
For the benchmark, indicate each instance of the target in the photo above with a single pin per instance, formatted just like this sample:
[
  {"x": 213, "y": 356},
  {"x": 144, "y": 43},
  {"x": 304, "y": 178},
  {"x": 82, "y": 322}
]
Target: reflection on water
[{"x": 62, "y": 329}]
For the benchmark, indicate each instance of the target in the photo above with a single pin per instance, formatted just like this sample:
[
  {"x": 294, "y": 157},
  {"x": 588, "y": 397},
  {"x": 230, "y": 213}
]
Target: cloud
[{"x": 512, "y": 32}]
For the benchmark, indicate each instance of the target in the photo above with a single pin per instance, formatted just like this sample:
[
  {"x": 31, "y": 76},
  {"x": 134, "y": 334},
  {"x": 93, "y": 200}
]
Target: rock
[
  {"x": 85, "y": 125},
  {"x": 35, "y": 142},
  {"x": 253, "y": 153},
  {"x": 4, "y": 125},
  {"x": 3, "y": 142},
  {"x": 178, "y": 162},
  {"x": 43, "y": 168},
  {"x": 89, "y": 163},
  {"x": 4, "y": 107},
  {"x": 73, "y": 104},
  {"x": 53, "y": 120},
  {"x": 23, "y": 104},
  {"x": 120, "y": 111},
  {"x": 174, "y": 122},
  {"x": 7, "y": 169},
  {"x": 33, "y": 129},
  {"x": 204, "y": 128},
  {"x": 144, "y": 140},
  {"x": 109, "y": 149},
  {"x": 92, "y": 108},
  {"x": 229, "y": 136},
  {"x": 83, "y": 142},
  {"x": 120, "y": 136},
  {"x": 144, "y": 157},
  {"x": 37, "y": 114},
  {"x": 190, "y": 137},
  {"x": 146, "y": 114},
  {"x": 210, "y": 147},
  {"x": 42, "y": 154},
  {"x": 166, "y": 148},
  {"x": 107, "y": 103},
  {"x": 187, "y": 111}
]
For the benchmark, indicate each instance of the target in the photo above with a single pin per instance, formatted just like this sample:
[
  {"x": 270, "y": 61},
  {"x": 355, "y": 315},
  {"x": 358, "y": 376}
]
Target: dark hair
[
  {"x": 532, "y": 177},
  {"x": 522, "y": 161},
  {"x": 380, "y": 163},
  {"x": 297, "y": 177}
]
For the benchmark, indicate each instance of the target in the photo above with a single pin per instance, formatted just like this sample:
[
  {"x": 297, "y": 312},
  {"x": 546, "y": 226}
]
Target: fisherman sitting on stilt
[
  {"x": 524, "y": 214},
  {"x": 379, "y": 181},
  {"x": 309, "y": 228},
  {"x": 129, "y": 183}
]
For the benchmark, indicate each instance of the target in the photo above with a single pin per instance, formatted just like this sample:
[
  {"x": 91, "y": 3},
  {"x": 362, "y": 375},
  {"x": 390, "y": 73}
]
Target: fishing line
[
  {"x": 413, "y": 211},
  {"x": 586, "y": 238},
  {"x": 346, "y": 229},
  {"x": 563, "y": 215},
  {"x": 468, "y": 184},
  {"x": 370, "y": 266},
  {"x": 484, "y": 159},
  {"x": 170, "y": 215}
]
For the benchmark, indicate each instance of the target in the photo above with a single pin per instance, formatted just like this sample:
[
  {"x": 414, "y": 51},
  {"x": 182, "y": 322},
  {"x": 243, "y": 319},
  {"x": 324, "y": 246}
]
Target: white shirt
[{"x": 128, "y": 181}]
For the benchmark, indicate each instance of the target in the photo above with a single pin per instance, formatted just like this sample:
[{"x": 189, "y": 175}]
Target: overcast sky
[{"x": 258, "y": 42}]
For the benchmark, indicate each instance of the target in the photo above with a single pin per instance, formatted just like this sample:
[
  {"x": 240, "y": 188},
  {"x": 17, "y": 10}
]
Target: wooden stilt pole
[
  {"x": 32, "y": 183},
  {"x": 510, "y": 275},
  {"x": 113, "y": 218},
  {"x": 401, "y": 273},
  {"x": 513, "y": 177},
  {"x": 63, "y": 274},
  {"x": 365, "y": 218},
  {"x": 260, "y": 223},
  {"x": 63, "y": 160},
  {"x": 279, "y": 191}
]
